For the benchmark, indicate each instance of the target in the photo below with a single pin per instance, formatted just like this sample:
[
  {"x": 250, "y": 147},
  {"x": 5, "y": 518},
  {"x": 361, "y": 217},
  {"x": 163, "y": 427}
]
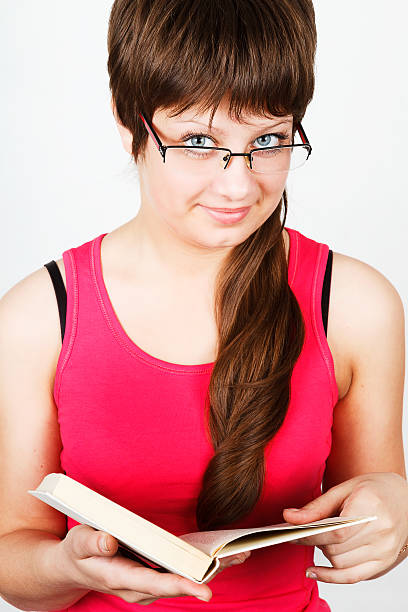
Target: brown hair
[{"x": 173, "y": 54}]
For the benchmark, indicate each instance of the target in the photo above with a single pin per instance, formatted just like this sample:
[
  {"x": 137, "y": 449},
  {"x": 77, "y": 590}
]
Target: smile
[{"x": 225, "y": 215}]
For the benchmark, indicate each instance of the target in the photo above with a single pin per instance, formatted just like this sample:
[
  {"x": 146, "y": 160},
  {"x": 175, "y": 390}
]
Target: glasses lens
[
  {"x": 206, "y": 160},
  {"x": 197, "y": 160},
  {"x": 279, "y": 160}
]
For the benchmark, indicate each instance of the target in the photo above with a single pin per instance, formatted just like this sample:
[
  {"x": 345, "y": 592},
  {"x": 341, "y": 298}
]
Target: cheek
[
  {"x": 271, "y": 191},
  {"x": 272, "y": 186},
  {"x": 175, "y": 193}
]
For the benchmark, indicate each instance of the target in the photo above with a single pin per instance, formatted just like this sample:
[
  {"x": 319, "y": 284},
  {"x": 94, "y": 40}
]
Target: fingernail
[
  {"x": 293, "y": 509},
  {"x": 203, "y": 598},
  {"x": 310, "y": 574},
  {"x": 104, "y": 544}
]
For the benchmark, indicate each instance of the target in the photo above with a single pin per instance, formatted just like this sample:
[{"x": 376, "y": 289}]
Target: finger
[
  {"x": 108, "y": 544},
  {"x": 318, "y": 540},
  {"x": 143, "y": 599},
  {"x": 302, "y": 517},
  {"x": 234, "y": 559},
  {"x": 341, "y": 537},
  {"x": 226, "y": 562},
  {"x": 349, "y": 575},
  {"x": 85, "y": 542},
  {"x": 164, "y": 585},
  {"x": 354, "y": 557},
  {"x": 128, "y": 579}
]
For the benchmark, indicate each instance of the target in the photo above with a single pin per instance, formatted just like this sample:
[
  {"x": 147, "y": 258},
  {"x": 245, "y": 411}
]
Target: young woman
[{"x": 192, "y": 372}]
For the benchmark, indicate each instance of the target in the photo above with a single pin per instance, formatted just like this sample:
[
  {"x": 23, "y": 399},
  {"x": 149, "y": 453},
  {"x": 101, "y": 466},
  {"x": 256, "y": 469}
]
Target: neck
[
  {"x": 163, "y": 255},
  {"x": 158, "y": 248}
]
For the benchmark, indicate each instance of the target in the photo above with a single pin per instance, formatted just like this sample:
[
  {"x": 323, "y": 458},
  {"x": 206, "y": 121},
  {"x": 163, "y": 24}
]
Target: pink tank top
[{"x": 133, "y": 429}]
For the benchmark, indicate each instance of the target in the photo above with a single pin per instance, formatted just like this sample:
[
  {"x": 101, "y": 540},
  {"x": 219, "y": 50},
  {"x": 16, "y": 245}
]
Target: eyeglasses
[{"x": 204, "y": 160}]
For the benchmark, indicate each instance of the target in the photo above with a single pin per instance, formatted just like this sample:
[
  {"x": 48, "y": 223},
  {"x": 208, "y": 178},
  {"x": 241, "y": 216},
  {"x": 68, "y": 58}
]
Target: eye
[
  {"x": 264, "y": 141},
  {"x": 271, "y": 140},
  {"x": 197, "y": 140}
]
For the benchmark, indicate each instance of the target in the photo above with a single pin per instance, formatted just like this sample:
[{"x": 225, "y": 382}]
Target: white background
[{"x": 65, "y": 177}]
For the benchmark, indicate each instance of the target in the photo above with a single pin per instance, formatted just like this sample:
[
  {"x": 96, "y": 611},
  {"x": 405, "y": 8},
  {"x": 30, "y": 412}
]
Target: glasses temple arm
[
  {"x": 302, "y": 134},
  {"x": 153, "y": 134}
]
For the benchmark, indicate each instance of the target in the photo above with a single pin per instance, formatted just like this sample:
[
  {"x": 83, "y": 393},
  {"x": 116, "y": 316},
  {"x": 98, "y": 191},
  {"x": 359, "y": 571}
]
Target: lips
[
  {"x": 227, "y": 210},
  {"x": 227, "y": 216}
]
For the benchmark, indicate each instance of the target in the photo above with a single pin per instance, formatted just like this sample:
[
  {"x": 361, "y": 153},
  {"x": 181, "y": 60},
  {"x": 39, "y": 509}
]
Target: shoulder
[
  {"x": 29, "y": 320},
  {"x": 365, "y": 307},
  {"x": 31, "y": 291},
  {"x": 363, "y": 285}
]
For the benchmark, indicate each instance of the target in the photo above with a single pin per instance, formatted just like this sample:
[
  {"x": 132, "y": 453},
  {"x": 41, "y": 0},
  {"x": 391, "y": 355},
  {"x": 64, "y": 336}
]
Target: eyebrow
[{"x": 222, "y": 132}]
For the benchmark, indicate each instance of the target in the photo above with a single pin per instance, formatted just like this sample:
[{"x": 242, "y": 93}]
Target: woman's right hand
[{"x": 86, "y": 565}]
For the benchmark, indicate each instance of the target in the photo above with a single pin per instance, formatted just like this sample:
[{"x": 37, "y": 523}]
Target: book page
[{"x": 225, "y": 542}]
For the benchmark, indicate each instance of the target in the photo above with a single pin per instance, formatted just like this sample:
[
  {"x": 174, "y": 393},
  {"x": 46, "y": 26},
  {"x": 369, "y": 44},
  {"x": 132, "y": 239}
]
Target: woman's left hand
[{"x": 359, "y": 552}]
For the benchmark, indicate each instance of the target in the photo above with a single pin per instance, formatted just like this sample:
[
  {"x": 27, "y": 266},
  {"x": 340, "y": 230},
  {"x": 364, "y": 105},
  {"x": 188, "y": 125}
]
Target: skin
[
  {"x": 165, "y": 261},
  {"x": 174, "y": 229},
  {"x": 172, "y": 235}
]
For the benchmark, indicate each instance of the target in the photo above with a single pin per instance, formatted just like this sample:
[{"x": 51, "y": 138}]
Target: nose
[{"x": 236, "y": 182}]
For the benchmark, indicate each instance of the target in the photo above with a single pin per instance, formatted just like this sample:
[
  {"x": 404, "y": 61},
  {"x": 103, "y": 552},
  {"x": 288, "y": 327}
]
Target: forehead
[{"x": 222, "y": 118}]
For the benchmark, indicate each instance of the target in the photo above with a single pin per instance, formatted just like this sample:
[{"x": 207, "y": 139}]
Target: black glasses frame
[{"x": 163, "y": 148}]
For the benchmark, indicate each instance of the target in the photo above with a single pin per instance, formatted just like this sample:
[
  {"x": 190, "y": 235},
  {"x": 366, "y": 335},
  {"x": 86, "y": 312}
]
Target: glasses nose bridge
[{"x": 230, "y": 154}]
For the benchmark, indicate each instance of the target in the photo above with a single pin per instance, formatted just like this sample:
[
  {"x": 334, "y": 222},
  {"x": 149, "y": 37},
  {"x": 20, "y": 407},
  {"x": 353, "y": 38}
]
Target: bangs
[
  {"x": 250, "y": 51},
  {"x": 179, "y": 54}
]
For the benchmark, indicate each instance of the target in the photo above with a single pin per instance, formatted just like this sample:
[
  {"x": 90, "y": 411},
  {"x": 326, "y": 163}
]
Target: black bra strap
[
  {"x": 326, "y": 290},
  {"x": 60, "y": 293}
]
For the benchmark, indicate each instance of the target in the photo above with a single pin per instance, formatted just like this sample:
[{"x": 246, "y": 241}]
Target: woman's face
[{"x": 178, "y": 197}]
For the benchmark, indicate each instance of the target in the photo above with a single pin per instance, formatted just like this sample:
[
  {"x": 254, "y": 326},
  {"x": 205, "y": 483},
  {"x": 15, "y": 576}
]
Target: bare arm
[
  {"x": 42, "y": 566},
  {"x": 29, "y": 447},
  {"x": 367, "y": 423},
  {"x": 30, "y": 578}
]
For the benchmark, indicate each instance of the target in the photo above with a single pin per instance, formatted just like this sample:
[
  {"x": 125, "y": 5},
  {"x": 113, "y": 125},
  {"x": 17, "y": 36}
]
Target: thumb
[
  {"x": 326, "y": 505},
  {"x": 107, "y": 544},
  {"x": 83, "y": 541}
]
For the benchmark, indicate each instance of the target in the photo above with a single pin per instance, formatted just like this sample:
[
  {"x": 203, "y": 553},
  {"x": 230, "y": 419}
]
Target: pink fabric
[{"x": 133, "y": 428}]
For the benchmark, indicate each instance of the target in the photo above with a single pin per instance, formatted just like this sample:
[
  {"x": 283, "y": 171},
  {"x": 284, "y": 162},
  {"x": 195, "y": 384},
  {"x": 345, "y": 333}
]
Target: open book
[{"x": 193, "y": 555}]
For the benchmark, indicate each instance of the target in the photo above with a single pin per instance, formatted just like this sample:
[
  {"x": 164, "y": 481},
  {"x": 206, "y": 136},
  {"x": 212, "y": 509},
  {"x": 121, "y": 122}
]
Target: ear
[{"x": 125, "y": 134}]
